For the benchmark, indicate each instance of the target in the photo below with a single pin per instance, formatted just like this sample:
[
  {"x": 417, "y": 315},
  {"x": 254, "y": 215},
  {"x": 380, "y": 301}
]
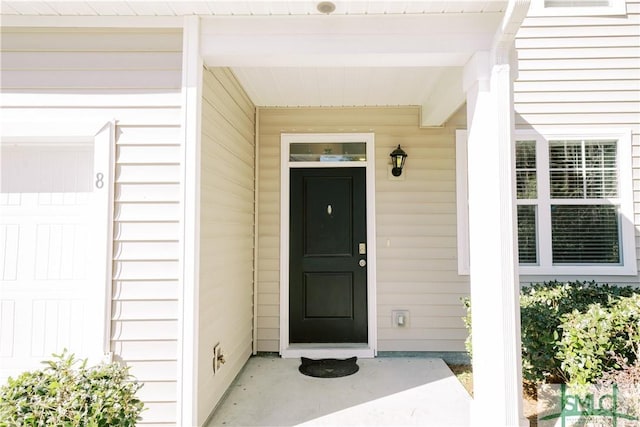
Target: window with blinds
[
  {"x": 583, "y": 181},
  {"x": 527, "y": 194},
  {"x": 574, "y": 204},
  {"x": 568, "y": 202},
  {"x": 583, "y": 169},
  {"x": 585, "y": 234},
  {"x": 527, "y": 241}
]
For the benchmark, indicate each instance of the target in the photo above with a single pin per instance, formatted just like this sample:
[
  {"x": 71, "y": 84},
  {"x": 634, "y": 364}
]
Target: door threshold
[{"x": 328, "y": 350}]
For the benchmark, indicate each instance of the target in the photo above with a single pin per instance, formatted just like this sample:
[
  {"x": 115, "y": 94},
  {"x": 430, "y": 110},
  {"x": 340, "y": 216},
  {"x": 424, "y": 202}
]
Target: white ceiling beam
[
  {"x": 445, "y": 99},
  {"x": 418, "y": 25},
  {"x": 334, "y": 60},
  {"x": 424, "y": 40}
]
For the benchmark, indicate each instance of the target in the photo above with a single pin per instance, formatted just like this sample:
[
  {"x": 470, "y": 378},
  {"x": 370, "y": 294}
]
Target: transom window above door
[{"x": 328, "y": 152}]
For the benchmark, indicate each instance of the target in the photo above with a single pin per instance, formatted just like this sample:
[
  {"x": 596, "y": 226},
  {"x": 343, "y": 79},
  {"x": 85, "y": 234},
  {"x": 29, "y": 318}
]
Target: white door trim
[{"x": 327, "y": 350}]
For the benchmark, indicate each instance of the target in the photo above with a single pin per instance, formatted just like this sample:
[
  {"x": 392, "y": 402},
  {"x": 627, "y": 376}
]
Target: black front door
[{"x": 327, "y": 258}]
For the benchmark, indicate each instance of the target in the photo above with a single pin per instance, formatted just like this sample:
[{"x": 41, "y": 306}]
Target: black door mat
[{"x": 329, "y": 368}]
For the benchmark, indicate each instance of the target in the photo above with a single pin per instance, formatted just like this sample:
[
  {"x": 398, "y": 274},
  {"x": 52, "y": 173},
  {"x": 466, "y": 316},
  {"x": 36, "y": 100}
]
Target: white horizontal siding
[
  {"x": 152, "y": 250},
  {"x": 88, "y": 60},
  {"x": 106, "y": 60},
  {"x": 138, "y": 174},
  {"x": 54, "y": 79},
  {"x": 415, "y": 223},
  {"x": 146, "y": 231},
  {"x": 145, "y": 350},
  {"x": 146, "y": 269},
  {"x": 226, "y": 234},
  {"x": 144, "y": 330},
  {"x": 128, "y": 192},
  {"x": 131, "y": 290},
  {"x": 134, "y": 77},
  {"x": 581, "y": 75}
]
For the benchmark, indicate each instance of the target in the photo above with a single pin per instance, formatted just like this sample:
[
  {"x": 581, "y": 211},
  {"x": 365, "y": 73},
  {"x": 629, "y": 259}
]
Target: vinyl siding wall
[
  {"x": 581, "y": 75},
  {"x": 416, "y": 223},
  {"x": 226, "y": 234},
  {"x": 134, "y": 77}
]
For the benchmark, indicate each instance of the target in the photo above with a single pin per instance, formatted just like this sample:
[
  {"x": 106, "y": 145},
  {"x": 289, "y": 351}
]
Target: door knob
[{"x": 362, "y": 263}]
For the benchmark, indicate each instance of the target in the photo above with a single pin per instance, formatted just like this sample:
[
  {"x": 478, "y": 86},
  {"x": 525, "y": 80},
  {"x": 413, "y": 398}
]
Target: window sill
[{"x": 587, "y": 270}]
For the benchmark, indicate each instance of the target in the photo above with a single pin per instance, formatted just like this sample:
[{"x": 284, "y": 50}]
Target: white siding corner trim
[
  {"x": 462, "y": 202},
  {"x": 320, "y": 351},
  {"x": 190, "y": 244},
  {"x": 104, "y": 168}
]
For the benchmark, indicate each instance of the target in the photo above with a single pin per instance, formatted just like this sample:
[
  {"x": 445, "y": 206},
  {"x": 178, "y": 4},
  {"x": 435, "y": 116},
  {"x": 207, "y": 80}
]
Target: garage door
[{"x": 52, "y": 253}]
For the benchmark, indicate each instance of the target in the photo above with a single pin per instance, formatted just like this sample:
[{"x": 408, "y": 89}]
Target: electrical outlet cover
[
  {"x": 400, "y": 318},
  {"x": 216, "y": 354}
]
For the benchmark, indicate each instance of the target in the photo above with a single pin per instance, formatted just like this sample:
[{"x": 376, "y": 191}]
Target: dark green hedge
[{"x": 571, "y": 331}]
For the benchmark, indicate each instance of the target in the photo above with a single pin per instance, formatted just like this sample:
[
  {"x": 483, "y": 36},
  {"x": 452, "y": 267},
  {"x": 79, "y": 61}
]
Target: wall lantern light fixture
[{"x": 398, "y": 156}]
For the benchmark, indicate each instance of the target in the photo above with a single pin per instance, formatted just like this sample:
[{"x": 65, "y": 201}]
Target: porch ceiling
[
  {"x": 286, "y": 53},
  {"x": 351, "y": 60}
]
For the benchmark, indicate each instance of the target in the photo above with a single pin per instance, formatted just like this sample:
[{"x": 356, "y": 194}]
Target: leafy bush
[
  {"x": 64, "y": 395},
  {"x": 542, "y": 307},
  {"x": 595, "y": 341}
]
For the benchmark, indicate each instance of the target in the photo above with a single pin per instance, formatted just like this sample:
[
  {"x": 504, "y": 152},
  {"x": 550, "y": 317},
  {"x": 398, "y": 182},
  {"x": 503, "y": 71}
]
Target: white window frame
[
  {"x": 615, "y": 8},
  {"x": 545, "y": 265}
]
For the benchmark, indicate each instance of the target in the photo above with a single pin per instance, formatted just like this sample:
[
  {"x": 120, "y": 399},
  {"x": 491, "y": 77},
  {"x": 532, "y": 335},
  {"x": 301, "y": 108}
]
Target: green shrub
[
  {"x": 542, "y": 307},
  {"x": 63, "y": 394},
  {"x": 542, "y": 310},
  {"x": 595, "y": 341}
]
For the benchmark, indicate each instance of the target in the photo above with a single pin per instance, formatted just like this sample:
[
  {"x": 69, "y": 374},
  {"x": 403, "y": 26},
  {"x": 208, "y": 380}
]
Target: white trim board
[
  {"x": 462, "y": 202},
  {"x": 327, "y": 350},
  {"x": 192, "y": 69}
]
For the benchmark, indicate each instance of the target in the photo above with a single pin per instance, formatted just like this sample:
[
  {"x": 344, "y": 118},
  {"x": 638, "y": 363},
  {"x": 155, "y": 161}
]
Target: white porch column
[
  {"x": 192, "y": 66},
  {"x": 497, "y": 370}
]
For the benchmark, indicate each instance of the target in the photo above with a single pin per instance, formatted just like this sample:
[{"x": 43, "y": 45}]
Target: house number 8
[{"x": 99, "y": 180}]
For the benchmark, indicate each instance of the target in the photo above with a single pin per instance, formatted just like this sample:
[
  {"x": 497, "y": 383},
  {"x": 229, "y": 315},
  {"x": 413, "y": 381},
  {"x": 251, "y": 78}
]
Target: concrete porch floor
[{"x": 389, "y": 391}]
